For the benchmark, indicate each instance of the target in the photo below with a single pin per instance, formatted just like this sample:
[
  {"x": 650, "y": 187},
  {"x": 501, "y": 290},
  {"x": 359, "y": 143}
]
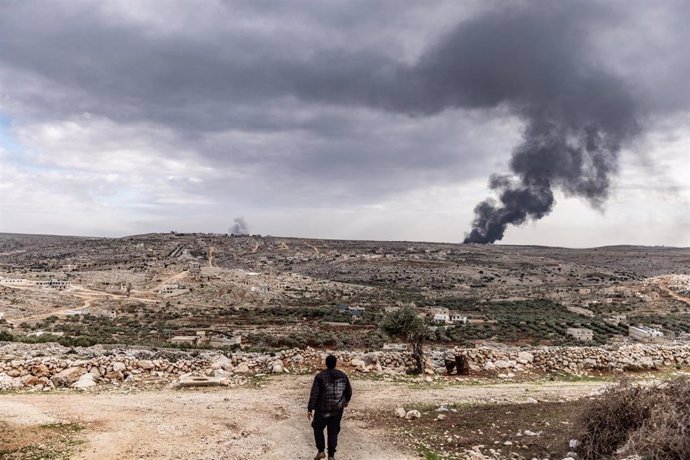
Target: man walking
[{"x": 330, "y": 393}]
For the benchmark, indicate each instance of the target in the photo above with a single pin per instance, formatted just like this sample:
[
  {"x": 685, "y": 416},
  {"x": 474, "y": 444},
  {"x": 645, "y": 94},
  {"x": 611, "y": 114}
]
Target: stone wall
[{"x": 49, "y": 366}]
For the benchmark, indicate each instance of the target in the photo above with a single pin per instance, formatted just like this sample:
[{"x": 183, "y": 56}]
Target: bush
[{"x": 651, "y": 422}]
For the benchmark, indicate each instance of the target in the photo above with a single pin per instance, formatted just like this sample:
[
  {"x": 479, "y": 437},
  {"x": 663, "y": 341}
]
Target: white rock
[
  {"x": 400, "y": 412},
  {"x": 573, "y": 443},
  {"x": 358, "y": 363},
  {"x": 9, "y": 382},
  {"x": 502, "y": 364},
  {"x": 525, "y": 357},
  {"x": 119, "y": 367},
  {"x": 489, "y": 366},
  {"x": 412, "y": 415},
  {"x": 222, "y": 362},
  {"x": 242, "y": 368},
  {"x": 441, "y": 417},
  {"x": 146, "y": 364},
  {"x": 85, "y": 381}
]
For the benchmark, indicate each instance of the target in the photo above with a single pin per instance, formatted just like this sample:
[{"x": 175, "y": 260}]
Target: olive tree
[{"x": 406, "y": 325}]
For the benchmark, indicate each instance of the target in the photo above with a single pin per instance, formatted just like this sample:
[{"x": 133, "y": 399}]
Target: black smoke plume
[
  {"x": 240, "y": 227},
  {"x": 537, "y": 61}
]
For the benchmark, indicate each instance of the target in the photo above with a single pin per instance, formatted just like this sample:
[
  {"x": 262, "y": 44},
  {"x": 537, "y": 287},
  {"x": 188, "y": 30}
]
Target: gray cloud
[{"x": 355, "y": 100}]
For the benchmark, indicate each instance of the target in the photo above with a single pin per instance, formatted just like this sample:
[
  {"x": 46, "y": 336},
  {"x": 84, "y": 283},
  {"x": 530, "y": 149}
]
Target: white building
[
  {"x": 171, "y": 288},
  {"x": 53, "y": 284},
  {"x": 645, "y": 334},
  {"x": 458, "y": 318},
  {"x": 580, "y": 333},
  {"x": 441, "y": 316}
]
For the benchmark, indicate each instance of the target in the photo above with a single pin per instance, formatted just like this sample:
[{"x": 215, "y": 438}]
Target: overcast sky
[{"x": 354, "y": 119}]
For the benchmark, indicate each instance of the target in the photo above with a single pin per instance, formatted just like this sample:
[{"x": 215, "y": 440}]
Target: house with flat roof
[
  {"x": 645, "y": 334},
  {"x": 580, "y": 333}
]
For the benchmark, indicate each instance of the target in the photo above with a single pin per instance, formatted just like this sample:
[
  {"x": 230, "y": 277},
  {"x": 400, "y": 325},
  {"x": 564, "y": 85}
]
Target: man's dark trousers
[{"x": 330, "y": 421}]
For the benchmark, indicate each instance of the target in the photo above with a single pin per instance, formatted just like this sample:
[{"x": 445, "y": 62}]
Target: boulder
[
  {"x": 40, "y": 370},
  {"x": 68, "y": 376},
  {"x": 400, "y": 412},
  {"x": 371, "y": 358},
  {"x": 119, "y": 367},
  {"x": 242, "y": 368},
  {"x": 525, "y": 357},
  {"x": 146, "y": 364},
  {"x": 358, "y": 363},
  {"x": 221, "y": 362},
  {"x": 502, "y": 364},
  {"x": 85, "y": 381}
]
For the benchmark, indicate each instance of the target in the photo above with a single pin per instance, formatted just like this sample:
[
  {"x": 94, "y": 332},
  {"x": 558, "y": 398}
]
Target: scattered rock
[{"x": 413, "y": 415}]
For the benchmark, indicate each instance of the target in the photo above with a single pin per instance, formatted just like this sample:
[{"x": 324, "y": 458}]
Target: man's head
[{"x": 331, "y": 361}]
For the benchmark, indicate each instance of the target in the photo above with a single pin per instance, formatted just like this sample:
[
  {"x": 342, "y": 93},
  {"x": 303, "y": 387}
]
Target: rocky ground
[{"x": 265, "y": 419}]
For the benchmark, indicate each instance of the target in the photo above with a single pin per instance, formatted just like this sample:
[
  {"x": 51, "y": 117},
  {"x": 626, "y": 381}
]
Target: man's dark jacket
[{"x": 330, "y": 392}]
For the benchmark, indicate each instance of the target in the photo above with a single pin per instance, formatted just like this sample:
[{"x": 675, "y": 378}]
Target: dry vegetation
[{"x": 649, "y": 421}]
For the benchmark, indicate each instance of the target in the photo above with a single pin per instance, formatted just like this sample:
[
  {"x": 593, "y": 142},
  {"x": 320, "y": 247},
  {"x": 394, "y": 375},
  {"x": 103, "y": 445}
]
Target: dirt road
[{"x": 269, "y": 422}]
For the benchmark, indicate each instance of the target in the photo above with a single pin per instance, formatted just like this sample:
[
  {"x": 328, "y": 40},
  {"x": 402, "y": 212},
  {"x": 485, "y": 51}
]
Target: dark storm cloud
[{"x": 342, "y": 93}]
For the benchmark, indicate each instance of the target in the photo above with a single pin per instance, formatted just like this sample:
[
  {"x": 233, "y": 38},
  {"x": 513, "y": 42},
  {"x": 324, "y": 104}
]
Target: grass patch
[
  {"x": 429, "y": 454},
  {"x": 55, "y": 441}
]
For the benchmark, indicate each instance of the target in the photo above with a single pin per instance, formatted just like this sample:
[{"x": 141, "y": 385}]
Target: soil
[
  {"x": 535, "y": 430},
  {"x": 266, "y": 421}
]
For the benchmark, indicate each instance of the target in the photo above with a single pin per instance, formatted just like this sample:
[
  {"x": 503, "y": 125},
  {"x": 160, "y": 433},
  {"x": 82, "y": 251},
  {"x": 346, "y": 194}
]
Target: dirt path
[
  {"x": 244, "y": 423},
  {"x": 85, "y": 294},
  {"x": 673, "y": 294}
]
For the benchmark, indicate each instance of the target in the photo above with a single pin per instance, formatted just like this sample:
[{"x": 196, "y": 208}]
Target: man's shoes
[{"x": 320, "y": 456}]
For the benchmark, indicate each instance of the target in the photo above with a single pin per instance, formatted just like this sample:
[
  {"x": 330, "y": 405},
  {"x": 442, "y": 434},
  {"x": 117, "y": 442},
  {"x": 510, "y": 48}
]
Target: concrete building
[
  {"x": 580, "y": 333},
  {"x": 457, "y": 318},
  {"x": 226, "y": 341},
  {"x": 645, "y": 334},
  {"x": 441, "y": 316},
  {"x": 53, "y": 284},
  {"x": 180, "y": 339},
  {"x": 615, "y": 320},
  {"x": 171, "y": 289},
  {"x": 14, "y": 282},
  {"x": 194, "y": 268}
]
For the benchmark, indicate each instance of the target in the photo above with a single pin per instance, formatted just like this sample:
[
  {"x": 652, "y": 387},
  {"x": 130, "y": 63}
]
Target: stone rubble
[{"x": 48, "y": 366}]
